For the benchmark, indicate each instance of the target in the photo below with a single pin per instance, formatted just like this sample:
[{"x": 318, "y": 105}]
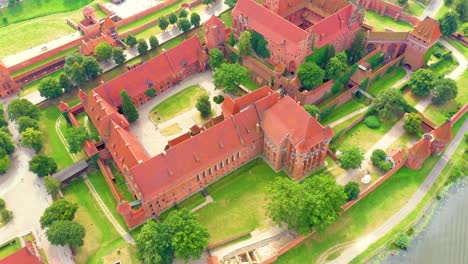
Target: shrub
[
  {"x": 352, "y": 190},
  {"x": 218, "y": 99},
  {"x": 384, "y": 166},
  {"x": 151, "y": 92},
  {"x": 378, "y": 156},
  {"x": 2, "y": 203},
  {"x": 372, "y": 121},
  {"x": 6, "y": 215},
  {"x": 4, "y": 163},
  {"x": 402, "y": 241}
]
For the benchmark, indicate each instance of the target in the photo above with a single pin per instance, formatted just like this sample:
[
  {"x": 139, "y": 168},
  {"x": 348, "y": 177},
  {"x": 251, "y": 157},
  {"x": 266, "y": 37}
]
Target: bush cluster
[
  {"x": 372, "y": 121},
  {"x": 378, "y": 159},
  {"x": 218, "y": 99}
]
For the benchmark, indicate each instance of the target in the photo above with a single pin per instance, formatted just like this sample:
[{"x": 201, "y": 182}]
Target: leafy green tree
[
  {"x": 2, "y": 204},
  {"x": 313, "y": 110},
  {"x": 103, "y": 51},
  {"x": 119, "y": 55},
  {"x": 462, "y": 10},
  {"x": 378, "y": 156},
  {"x": 195, "y": 19},
  {"x": 311, "y": 75},
  {"x": 208, "y": 2},
  {"x": 204, "y": 105},
  {"x": 421, "y": 82},
  {"x": 142, "y": 47},
  {"x": 70, "y": 61},
  {"x": 42, "y": 165},
  {"x": 60, "y": 210},
  {"x": 22, "y": 107},
  {"x": 230, "y": 3},
  {"x": 183, "y": 13},
  {"x": 402, "y": 241},
  {"x": 131, "y": 40},
  {"x": 50, "y": 88},
  {"x": 335, "y": 68},
  {"x": 52, "y": 186},
  {"x": 184, "y": 24},
  {"x": 4, "y": 163},
  {"x": 259, "y": 45},
  {"x": 27, "y": 122},
  {"x": 153, "y": 40},
  {"x": 352, "y": 190},
  {"x": 413, "y": 123},
  {"x": 216, "y": 58},
  {"x": 163, "y": 23},
  {"x": 173, "y": 18},
  {"x": 356, "y": 51},
  {"x": 351, "y": 158},
  {"x": 449, "y": 23},
  {"x": 154, "y": 244},
  {"x": 66, "y": 233},
  {"x": 75, "y": 137},
  {"x": 445, "y": 89},
  {"x": 31, "y": 138},
  {"x": 78, "y": 74},
  {"x": 91, "y": 67},
  {"x": 244, "y": 44},
  {"x": 389, "y": 104},
  {"x": 6, "y": 215},
  {"x": 65, "y": 82},
  {"x": 402, "y": 2},
  {"x": 231, "y": 40},
  {"x": 7, "y": 146},
  {"x": 128, "y": 107},
  {"x": 230, "y": 76},
  {"x": 3, "y": 121}
]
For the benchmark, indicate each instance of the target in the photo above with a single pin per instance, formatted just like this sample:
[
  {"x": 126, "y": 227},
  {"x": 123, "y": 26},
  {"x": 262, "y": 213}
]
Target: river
[{"x": 444, "y": 237}]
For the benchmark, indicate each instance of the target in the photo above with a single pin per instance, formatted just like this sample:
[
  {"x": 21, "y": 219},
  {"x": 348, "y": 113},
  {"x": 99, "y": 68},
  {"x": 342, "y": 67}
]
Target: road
[{"x": 431, "y": 9}]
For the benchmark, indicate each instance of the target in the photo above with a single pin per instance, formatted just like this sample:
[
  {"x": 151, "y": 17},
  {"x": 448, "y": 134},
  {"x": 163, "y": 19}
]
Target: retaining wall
[{"x": 343, "y": 98}]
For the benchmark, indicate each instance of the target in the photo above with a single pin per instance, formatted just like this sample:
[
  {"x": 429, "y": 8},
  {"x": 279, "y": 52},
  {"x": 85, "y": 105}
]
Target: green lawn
[
  {"x": 251, "y": 85},
  {"x": 239, "y": 201},
  {"x": 49, "y": 59},
  {"x": 413, "y": 8},
  {"x": 34, "y": 85},
  {"x": 410, "y": 98},
  {"x": 120, "y": 183},
  {"x": 403, "y": 142},
  {"x": 460, "y": 47},
  {"x": 444, "y": 66},
  {"x": 442, "y": 11},
  {"x": 192, "y": 202},
  {"x": 341, "y": 126},
  {"x": 227, "y": 18},
  {"x": 177, "y": 104},
  {"x": 386, "y": 82},
  {"x": 347, "y": 108},
  {"x": 380, "y": 23},
  {"x": 9, "y": 248}
]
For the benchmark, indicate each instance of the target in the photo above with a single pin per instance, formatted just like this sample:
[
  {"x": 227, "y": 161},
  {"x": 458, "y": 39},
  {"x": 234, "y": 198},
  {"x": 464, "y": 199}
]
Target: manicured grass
[
  {"x": 9, "y": 248},
  {"x": 121, "y": 184},
  {"x": 177, "y": 104},
  {"x": 85, "y": 122},
  {"x": 227, "y": 18},
  {"x": 341, "y": 126},
  {"x": 365, "y": 216},
  {"x": 380, "y": 23},
  {"x": 49, "y": 59},
  {"x": 410, "y": 98},
  {"x": 52, "y": 146},
  {"x": 442, "y": 11},
  {"x": 239, "y": 201},
  {"x": 460, "y": 47},
  {"x": 386, "y": 82},
  {"x": 151, "y": 31},
  {"x": 347, "y": 108},
  {"x": 251, "y": 85},
  {"x": 171, "y": 130},
  {"x": 444, "y": 66},
  {"x": 413, "y": 8},
  {"x": 363, "y": 136},
  {"x": 34, "y": 86},
  {"x": 403, "y": 142},
  {"x": 192, "y": 202}
]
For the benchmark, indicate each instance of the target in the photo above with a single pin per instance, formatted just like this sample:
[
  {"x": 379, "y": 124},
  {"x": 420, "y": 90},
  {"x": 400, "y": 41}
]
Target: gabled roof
[
  {"x": 214, "y": 21},
  {"x": 22, "y": 256},
  {"x": 428, "y": 30},
  {"x": 87, "y": 48}
]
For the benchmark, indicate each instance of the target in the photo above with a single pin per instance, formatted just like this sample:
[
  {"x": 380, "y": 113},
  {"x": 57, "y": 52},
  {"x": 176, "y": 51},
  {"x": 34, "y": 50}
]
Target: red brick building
[
  {"x": 215, "y": 33},
  {"x": 294, "y": 28},
  {"x": 7, "y": 85},
  {"x": 27, "y": 255}
]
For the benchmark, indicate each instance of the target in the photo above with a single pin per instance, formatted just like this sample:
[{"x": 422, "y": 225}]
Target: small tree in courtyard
[
  {"x": 378, "y": 159},
  {"x": 402, "y": 241},
  {"x": 230, "y": 76},
  {"x": 42, "y": 165},
  {"x": 6, "y": 215},
  {"x": 50, "y": 88},
  {"x": 183, "y": 13},
  {"x": 313, "y": 110},
  {"x": 204, "y": 105},
  {"x": 208, "y": 2},
  {"x": 336, "y": 66},
  {"x": 173, "y": 18},
  {"x": 184, "y": 24},
  {"x": 153, "y": 40},
  {"x": 445, "y": 89},
  {"x": 22, "y": 107},
  {"x": 66, "y": 233},
  {"x": 103, "y": 51},
  {"x": 65, "y": 82},
  {"x": 91, "y": 67},
  {"x": 311, "y": 75},
  {"x": 413, "y": 123},
  {"x": 128, "y": 108},
  {"x": 75, "y": 137},
  {"x": 216, "y": 58},
  {"x": 31, "y": 138},
  {"x": 142, "y": 47},
  {"x": 352, "y": 190},
  {"x": 52, "y": 186},
  {"x": 119, "y": 56},
  {"x": 244, "y": 45},
  {"x": 449, "y": 23},
  {"x": 195, "y": 19},
  {"x": 356, "y": 51},
  {"x": 231, "y": 40},
  {"x": 230, "y": 3},
  {"x": 389, "y": 104},
  {"x": 351, "y": 158},
  {"x": 163, "y": 23},
  {"x": 78, "y": 74},
  {"x": 60, "y": 210},
  {"x": 421, "y": 82},
  {"x": 25, "y": 122},
  {"x": 131, "y": 40}
]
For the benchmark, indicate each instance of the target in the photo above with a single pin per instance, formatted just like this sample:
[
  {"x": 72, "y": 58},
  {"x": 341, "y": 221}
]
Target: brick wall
[
  {"x": 40, "y": 71},
  {"x": 343, "y": 98},
  {"x": 346, "y": 129},
  {"x": 459, "y": 114},
  {"x": 385, "y": 67}
]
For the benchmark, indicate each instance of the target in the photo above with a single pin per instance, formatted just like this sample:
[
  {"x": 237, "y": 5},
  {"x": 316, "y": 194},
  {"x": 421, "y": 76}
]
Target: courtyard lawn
[
  {"x": 177, "y": 104},
  {"x": 9, "y": 248},
  {"x": 251, "y": 85},
  {"x": 380, "y": 23},
  {"x": 386, "y": 82},
  {"x": 338, "y": 128},
  {"x": 444, "y": 66},
  {"x": 239, "y": 201},
  {"x": 365, "y": 216},
  {"x": 121, "y": 184},
  {"x": 85, "y": 122},
  {"x": 151, "y": 31},
  {"x": 413, "y": 8},
  {"x": 171, "y": 130},
  {"x": 442, "y": 11},
  {"x": 460, "y": 47},
  {"x": 227, "y": 18},
  {"x": 192, "y": 202},
  {"x": 403, "y": 142},
  {"x": 347, "y": 108},
  {"x": 410, "y": 98}
]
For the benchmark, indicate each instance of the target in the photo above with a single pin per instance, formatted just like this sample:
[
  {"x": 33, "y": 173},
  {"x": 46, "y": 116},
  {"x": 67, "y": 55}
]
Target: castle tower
[
  {"x": 89, "y": 13},
  {"x": 8, "y": 86},
  {"x": 420, "y": 40},
  {"x": 215, "y": 33}
]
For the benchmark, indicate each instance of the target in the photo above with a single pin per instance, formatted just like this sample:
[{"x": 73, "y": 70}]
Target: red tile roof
[
  {"x": 428, "y": 30},
  {"x": 22, "y": 256},
  {"x": 443, "y": 133},
  {"x": 87, "y": 48},
  {"x": 157, "y": 70},
  {"x": 214, "y": 21}
]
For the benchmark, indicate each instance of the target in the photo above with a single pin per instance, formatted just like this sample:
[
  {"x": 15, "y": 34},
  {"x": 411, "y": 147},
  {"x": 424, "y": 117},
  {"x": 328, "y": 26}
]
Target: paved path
[
  {"x": 349, "y": 116},
  {"x": 462, "y": 61},
  {"x": 208, "y": 200},
  {"x": 363, "y": 243},
  {"x": 431, "y": 9}
]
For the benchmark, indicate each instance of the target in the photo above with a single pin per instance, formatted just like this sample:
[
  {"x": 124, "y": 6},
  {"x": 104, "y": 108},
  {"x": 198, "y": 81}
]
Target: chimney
[{"x": 257, "y": 128}]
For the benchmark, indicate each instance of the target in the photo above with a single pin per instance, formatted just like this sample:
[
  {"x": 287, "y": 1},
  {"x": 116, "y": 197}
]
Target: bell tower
[
  {"x": 8, "y": 86},
  {"x": 215, "y": 33}
]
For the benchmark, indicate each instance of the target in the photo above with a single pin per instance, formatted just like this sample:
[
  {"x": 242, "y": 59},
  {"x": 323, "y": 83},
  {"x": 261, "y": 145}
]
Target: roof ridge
[{"x": 237, "y": 130}]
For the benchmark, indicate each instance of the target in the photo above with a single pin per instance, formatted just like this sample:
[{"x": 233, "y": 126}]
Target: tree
[
  {"x": 91, "y": 67},
  {"x": 6, "y": 215},
  {"x": 462, "y": 10},
  {"x": 449, "y": 23},
  {"x": 50, "y": 88},
  {"x": 313, "y": 110},
  {"x": 42, "y": 165},
  {"x": 230, "y": 3},
  {"x": 421, "y": 82},
  {"x": 230, "y": 76},
  {"x": 352, "y": 190},
  {"x": 445, "y": 89},
  {"x": 2, "y": 204},
  {"x": 7, "y": 146},
  {"x": 142, "y": 47},
  {"x": 70, "y": 61},
  {"x": 389, "y": 104},
  {"x": 244, "y": 44},
  {"x": 378, "y": 156},
  {"x": 153, "y": 40},
  {"x": 351, "y": 158},
  {"x": 128, "y": 108},
  {"x": 259, "y": 45},
  {"x": 65, "y": 82},
  {"x": 356, "y": 51},
  {"x": 75, "y": 137},
  {"x": 208, "y": 2},
  {"x": 27, "y": 122},
  {"x": 131, "y": 40},
  {"x": 204, "y": 105},
  {"x": 52, "y": 186},
  {"x": 78, "y": 75},
  {"x": 173, "y": 18},
  {"x": 60, "y": 210},
  {"x": 119, "y": 56},
  {"x": 448, "y": 2},
  {"x": 22, "y": 107},
  {"x": 184, "y": 24},
  {"x": 413, "y": 123},
  {"x": 311, "y": 75},
  {"x": 231, "y": 40},
  {"x": 103, "y": 51},
  {"x": 4, "y": 163},
  {"x": 154, "y": 244},
  {"x": 31, "y": 138},
  {"x": 183, "y": 13},
  {"x": 163, "y": 23},
  {"x": 216, "y": 58},
  {"x": 402, "y": 241},
  {"x": 195, "y": 19},
  {"x": 335, "y": 68},
  {"x": 66, "y": 233}
]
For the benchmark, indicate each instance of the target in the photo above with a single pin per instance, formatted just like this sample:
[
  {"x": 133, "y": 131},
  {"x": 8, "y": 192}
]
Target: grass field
[
  {"x": 386, "y": 82},
  {"x": 9, "y": 248},
  {"x": 380, "y": 23},
  {"x": 251, "y": 85},
  {"x": 239, "y": 201},
  {"x": 341, "y": 126},
  {"x": 347, "y": 108},
  {"x": 227, "y": 18},
  {"x": 177, "y": 104},
  {"x": 443, "y": 67},
  {"x": 413, "y": 8}
]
